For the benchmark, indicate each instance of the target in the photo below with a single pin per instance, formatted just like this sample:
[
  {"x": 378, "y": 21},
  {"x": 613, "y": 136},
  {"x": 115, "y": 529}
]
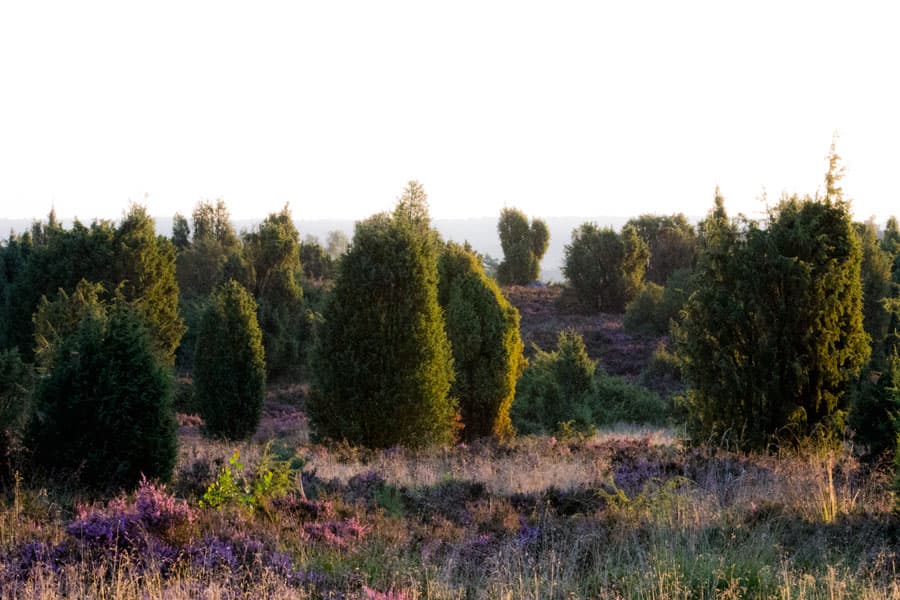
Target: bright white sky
[{"x": 559, "y": 108}]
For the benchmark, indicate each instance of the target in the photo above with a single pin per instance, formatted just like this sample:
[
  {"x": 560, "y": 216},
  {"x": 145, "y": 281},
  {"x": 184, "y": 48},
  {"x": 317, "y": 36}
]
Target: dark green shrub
[
  {"x": 679, "y": 287},
  {"x": 130, "y": 261},
  {"x": 672, "y": 242},
  {"x": 103, "y": 414},
  {"x": 273, "y": 250},
  {"x": 563, "y": 390},
  {"x": 618, "y": 401},
  {"x": 15, "y": 392},
  {"x": 875, "y": 408},
  {"x": 645, "y": 313},
  {"x": 523, "y": 246},
  {"x": 191, "y": 311},
  {"x": 317, "y": 264},
  {"x": 556, "y": 387},
  {"x": 604, "y": 268},
  {"x": 483, "y": 329},
  {"x": 773, "y": 336},
  {"x": 183, "y": 400},
  {"x": 229, "y": 368},
  {"x": 655, "y": 307},
  {"x": 663, "y": 365},
  {"x": 383, "y": 365},
  {"x": 875, "y": 276}
]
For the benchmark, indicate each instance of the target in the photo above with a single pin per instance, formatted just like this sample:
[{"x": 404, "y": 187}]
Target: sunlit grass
[{"x": 629, "y": 512}]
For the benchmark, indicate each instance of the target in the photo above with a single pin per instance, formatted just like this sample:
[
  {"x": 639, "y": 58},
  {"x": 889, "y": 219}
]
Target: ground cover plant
[{"x": 627, "y": 512}]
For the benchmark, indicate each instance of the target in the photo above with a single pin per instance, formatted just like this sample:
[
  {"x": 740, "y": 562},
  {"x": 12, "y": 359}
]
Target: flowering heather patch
[
  {"x": 158, "y": 510},
  {"x": 304, "y": 510},
  {"x": 370, "y": 594},
  {"x": 598, "y": 517},
  {"x": 338, "y": 534},
  {"x": 123, "y": 524}
]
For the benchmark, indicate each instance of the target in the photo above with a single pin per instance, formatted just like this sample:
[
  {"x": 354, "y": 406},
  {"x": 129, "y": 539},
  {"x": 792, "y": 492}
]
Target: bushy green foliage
[
  {"x": 273, "y": 250},
  {"x": 130, "y": 261},
  {"x": 15, "y": 393},
  {"x": 875, "y": 415},
  {"x": 103, "y": 413},
  {"x": 483, "y": 329},
  {"x": 272, "y": 479},
  {"x": 212, "y": 255},
  {"x": 672, "y": 243},
  {"x": 556, "y": 387},
  {"x": 875, "y": 273},
  {"x": 383, "y": 365},
  {"x": 663, "y": 365},
  {"x": 645, "y": 312},
  {"x": 181, "y": 232},
  {"x": 616, "y": 400},
  {"x": 679, "y": 287},
  {"x": 144, "y": 276},
  {"x": 523, "y": 246},
  {"x": 564, "y": 390},
  {"x": 773, "y": 335},
  {"x": 191, "y": 310},
  {"x": 56, "y": 319},
  {"x": 317, "y": 264},
  {"x": 656, "y": 307},
  {"x": 604, "y": 268},
  {"x": 229, "y": 368},
  {"x": 14, "y": 255}
]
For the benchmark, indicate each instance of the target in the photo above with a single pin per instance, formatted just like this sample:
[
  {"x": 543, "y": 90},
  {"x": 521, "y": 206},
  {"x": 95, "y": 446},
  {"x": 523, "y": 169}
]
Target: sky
[{"x": 558, "y": 108}]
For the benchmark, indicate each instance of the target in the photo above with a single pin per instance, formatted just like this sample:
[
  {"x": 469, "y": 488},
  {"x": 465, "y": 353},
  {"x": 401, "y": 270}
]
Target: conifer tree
[
  {"x": 383, "y": 366},
  {"x": 556, "y": 387},
  {"x": 671, "y": 241},
  {"x": 103, "y": 413},
  {"x": 773, "y": 337},
  {"x": 130, "y": 261},
  {"x": 15, "y": 392},
  {"x": 273, "y": 252},
  {"x": 483, "y": 329},
  {"x": 875, "y": 273},
  {"x": 604, "y": 268},
  {"x": 523, "y": 246},
  {"x": 229, "y": 367},
  {"x": 145, "y": 277}
]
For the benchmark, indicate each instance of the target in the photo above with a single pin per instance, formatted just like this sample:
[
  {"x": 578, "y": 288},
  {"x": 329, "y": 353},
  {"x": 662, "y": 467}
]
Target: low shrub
[
  {"x": 645, "y": 313},
  {"x": 272, "y": 479},
  {"x": 555, "y": 387},
  {"x": 563, "y": 391},
  {"x": 616, "y": 400},
  {"x": 104, "y": 414}
]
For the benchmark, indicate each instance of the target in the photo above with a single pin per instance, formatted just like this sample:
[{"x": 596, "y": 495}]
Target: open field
[{"x": 628, "y": 512}]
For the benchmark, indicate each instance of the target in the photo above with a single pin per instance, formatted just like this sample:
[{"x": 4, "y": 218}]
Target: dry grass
[{"x": 627, "y": 513}]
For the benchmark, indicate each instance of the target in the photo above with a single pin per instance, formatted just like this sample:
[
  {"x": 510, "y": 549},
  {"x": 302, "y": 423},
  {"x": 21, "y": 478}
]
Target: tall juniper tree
[
  {"x": 523, "y": 246},
  {"x": 773, "y": 337},
  {"x": 483, "y": 328},
  {"x": 229, "y": 368},
  {"x": 383, "y": 365}
]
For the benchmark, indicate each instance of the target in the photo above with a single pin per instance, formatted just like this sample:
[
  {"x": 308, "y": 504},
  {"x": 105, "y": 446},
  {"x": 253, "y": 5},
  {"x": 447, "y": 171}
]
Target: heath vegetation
[{"x": 698, "y": 411}]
